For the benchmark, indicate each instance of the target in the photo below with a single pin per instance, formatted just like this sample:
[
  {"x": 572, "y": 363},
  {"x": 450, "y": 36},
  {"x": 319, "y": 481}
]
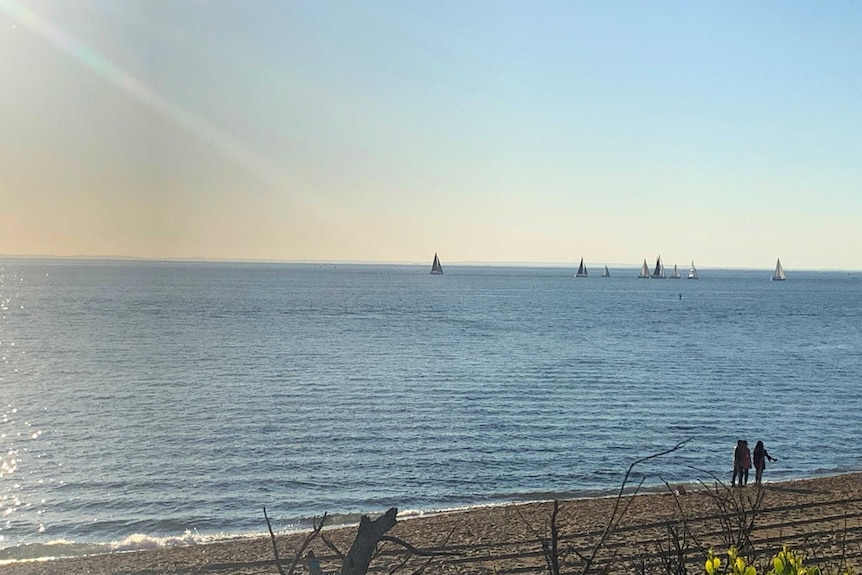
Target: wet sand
[{"x": 820, "y": 517}]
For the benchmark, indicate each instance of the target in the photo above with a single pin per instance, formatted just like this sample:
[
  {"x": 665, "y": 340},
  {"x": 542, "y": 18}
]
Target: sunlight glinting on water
[{"x": 218, "y": 388}]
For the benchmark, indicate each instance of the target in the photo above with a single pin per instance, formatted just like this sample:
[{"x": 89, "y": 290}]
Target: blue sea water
[{"x": 155, "y": 403}]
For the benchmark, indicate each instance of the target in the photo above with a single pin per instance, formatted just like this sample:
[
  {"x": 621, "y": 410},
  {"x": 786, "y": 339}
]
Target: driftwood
[
  {"x": 362, "y": 551},
  {"x": 359, "y": 557}
]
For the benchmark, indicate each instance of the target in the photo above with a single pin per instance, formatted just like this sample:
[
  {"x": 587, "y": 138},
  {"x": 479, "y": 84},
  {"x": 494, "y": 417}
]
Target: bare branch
[
  {"x": 332, "y": 547},
  {"x": 274, "y": 546},
  {"x": 548, "y": 550},
  {"x": 423, "y": 567},
  {"x": 738, "y": 512},
  {"x": 682, "y": 515},
  {"x": 616, "y": 514},
  {"x": 311, "y": 536},
  {"x": 536, "y": 533},
  {"x": 427, "y": 563},
  {"x": 414, "y": 550},
  {"x": 400, "y": 565}
]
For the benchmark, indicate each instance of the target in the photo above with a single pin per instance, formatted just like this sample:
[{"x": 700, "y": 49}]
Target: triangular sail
[
  {"x": 644, "y": 270},
  {"x": 675, "y": 275},
  {"x": 582, "y": 270},
  {"x": 659, "y": 269},
  {"x": 778, "y": 275},
  {"x": 607, "y": 272},
  {"x": 692, "y": 273},
  {"x": 436, "y": 268}
]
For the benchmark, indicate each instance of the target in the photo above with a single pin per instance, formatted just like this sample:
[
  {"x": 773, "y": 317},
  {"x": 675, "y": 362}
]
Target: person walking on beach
[
  {"x": 737, "y": 463},
  {"x": 760, "y": 457},
  {"x": 745, "y": 461}
]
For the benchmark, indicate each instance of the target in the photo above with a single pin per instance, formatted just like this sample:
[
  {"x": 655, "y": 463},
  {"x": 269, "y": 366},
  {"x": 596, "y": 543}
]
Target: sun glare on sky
[{"x": 387, "y": 131}]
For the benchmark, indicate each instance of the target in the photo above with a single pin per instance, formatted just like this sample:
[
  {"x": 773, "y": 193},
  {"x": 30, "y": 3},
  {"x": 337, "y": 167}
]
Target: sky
[{"x": 387, "y": 130}]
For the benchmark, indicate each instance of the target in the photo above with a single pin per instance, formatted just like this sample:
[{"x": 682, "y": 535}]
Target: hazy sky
[{"x": 727, "y": 133}]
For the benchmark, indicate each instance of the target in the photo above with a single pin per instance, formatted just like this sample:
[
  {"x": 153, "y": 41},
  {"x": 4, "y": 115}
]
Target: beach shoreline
[
  {"x": 823, "y": 512},
  {"x": 63, "y": 549}
]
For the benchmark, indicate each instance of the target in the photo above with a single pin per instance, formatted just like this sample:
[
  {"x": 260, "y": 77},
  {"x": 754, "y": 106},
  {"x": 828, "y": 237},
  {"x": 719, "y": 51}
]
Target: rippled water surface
[{"x": 144, "y": 401}]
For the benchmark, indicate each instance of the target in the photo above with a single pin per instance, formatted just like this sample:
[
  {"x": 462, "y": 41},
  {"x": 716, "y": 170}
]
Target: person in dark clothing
[
  {"x": 737, "y": 463},
  {"x": 760, "y": 457}
]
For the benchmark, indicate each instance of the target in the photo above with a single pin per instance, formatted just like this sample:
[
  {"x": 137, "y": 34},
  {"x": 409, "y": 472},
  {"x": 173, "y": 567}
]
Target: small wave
[
  {"x": 45, "y": 551},
  {"x": 140, "y": 541},
  {"x": 63, "y": 548}
]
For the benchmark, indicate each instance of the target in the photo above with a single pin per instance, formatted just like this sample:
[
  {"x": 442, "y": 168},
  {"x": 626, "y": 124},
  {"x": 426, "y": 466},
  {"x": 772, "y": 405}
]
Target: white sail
[
  {"x": 692, "y": 273},
  {"x": 582, "y": 270},
  {"x": 675, "y": 275},
  {"x": 644, "y": 270},
  {"x": 436, "y": 268},
  {"x": 606, "y": 273},
  {"x": 778, "y": 275}
]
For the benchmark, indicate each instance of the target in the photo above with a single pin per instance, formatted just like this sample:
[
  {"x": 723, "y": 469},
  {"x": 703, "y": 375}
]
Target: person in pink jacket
[{"x": 745, "y": 463}]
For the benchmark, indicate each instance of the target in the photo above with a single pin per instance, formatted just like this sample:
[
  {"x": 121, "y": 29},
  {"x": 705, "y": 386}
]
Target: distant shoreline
[{"x": 456, "y": 264}]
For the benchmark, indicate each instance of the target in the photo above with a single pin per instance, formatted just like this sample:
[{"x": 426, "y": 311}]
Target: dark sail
[
  {"x": 436, "y": 268},
  {"x": 582, "y": 270},
  {"x": 659, "y": 269}
]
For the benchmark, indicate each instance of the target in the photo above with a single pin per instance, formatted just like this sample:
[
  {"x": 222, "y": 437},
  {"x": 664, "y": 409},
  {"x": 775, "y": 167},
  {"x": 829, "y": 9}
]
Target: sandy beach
[{"x": 819, "y": 517}]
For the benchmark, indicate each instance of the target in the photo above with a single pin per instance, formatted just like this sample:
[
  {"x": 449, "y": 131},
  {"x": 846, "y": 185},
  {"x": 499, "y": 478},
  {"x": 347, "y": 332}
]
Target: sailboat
[
  {"x": 606, "y": 273},
  {"x": 582, "y": 270},
  {"x": 778, "y": 275},
  {"x": 659, "y": 270},
  {"x": 644, "y": 271},
  {"x": 692, "y": 273},
  {"x": 436, "y": 268},
  {"x": 675, "y": 275}
]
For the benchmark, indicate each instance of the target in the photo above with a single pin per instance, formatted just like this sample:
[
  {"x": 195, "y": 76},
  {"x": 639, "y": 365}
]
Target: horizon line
[{"x": 466, "y": 263}]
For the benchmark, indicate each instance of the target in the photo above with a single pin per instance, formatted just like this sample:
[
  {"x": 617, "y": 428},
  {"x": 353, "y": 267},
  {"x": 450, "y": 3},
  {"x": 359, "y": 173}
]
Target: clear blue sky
[{"x": 729, "y": 134}]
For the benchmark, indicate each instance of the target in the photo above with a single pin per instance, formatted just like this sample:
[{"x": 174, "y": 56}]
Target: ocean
[{"x": 147, "y": 404}]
